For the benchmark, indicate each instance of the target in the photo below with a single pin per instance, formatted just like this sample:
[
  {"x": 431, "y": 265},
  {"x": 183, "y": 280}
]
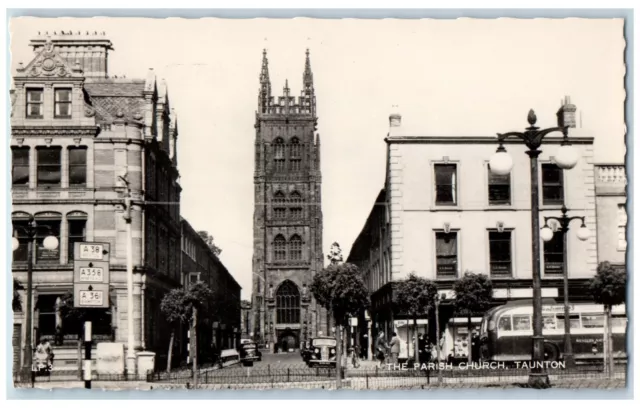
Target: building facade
[
  {"x": 443, "y": 213},
  {"x": 75, "y": 131},
  {"x": 611, "y": 201},
  {"x": 221, "y": 325},
  {"x": 287, "y": 215}
]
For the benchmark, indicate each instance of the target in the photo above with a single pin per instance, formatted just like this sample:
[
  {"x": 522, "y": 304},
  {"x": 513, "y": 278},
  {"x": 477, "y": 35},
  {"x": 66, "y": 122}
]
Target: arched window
[
  {"x": 296, "y": 200},
  {"x": 288, "y": 303},
  {"x": 279, "y": 211},
  {"x": 295, "y": 248},
  {"x": 280, "y": 248},
  {"x": 279, "y": 154},
  {"x": 295, "y": 154}
]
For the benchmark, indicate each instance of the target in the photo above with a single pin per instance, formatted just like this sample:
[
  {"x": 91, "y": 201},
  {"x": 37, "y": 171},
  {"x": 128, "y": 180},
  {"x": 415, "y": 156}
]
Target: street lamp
[
  {"x": 501, "y": 164},
  {"x": 50, "y": 243},
  {"x": 583, "y": 234}
]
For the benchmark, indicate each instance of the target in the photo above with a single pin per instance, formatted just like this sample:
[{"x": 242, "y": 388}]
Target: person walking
[
  {"x": 44, "y": 354},
  {"x": 381, "y": 349},
  {"x": 394, "y": 347},
  {"x": 422, "y": 348}
]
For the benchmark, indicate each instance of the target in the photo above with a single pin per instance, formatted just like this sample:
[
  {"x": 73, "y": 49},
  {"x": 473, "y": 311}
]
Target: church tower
[{"x": 287, "y": 223}]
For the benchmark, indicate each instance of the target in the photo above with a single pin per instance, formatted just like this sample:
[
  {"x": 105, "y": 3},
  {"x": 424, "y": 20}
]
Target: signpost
[{"x": 90, "y": 288}]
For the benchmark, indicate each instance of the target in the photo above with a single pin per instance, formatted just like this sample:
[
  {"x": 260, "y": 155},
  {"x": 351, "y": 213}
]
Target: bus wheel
[{"x": 551, "y": 352}]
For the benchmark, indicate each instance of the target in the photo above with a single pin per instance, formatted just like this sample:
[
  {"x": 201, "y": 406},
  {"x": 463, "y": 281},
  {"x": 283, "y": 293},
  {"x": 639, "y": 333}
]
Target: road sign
[
  {"x": 91, "y": 251},
  {"x": 91, "y": 275},
  {"x": 91, "y": 295},
  {"x": 90, "y": 271}
]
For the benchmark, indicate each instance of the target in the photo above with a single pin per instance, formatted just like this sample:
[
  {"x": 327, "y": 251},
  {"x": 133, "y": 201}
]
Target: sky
[{"x": 466, "y": 77}]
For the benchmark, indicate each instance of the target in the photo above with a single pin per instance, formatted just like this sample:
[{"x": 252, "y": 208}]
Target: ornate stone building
[
  {"x": 74, "y": 131},
  {"x": 287, "y": 217}
]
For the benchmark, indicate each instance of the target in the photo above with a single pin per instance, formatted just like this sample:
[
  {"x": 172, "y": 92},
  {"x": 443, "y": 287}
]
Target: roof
[
  {"x": 115, "y": 87},
  {"x": 363, "y": 241},
  {"x": 111, "y": 97}
]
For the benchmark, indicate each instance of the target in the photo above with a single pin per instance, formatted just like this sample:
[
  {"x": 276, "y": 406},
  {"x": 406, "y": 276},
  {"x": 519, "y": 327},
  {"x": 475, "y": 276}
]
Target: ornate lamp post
[
  {"x": 501, "y": 163},
  {"x": 547, "y": 234},
  {"x": 50, "y": 243}
]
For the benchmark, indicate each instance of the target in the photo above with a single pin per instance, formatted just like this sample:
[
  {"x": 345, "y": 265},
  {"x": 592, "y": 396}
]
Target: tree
[
  {"x": 208, "y": 239},
  {"x": 473, "y": 293},
  {"x": 175, "y": 309},
  {"x": 16, "y": 302},
  {"x": 415, "y": 296},
  {"x": 197, "y": 299},
  {"x": 608, "y": 288},
  {"x": 339, "y": 288}
]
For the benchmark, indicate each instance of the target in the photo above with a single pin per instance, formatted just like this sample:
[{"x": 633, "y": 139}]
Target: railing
[{"x": 611, "y": 174}]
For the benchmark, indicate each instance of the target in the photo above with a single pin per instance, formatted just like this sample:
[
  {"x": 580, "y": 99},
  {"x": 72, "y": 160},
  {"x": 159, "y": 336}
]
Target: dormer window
[
  {"x": 34, "y": 103},
  {"x": 62, "y": 103}
]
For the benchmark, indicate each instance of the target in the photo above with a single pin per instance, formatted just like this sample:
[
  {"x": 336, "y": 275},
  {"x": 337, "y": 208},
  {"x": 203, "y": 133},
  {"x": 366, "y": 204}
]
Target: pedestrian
[
  {"x": 422, "y": 346},
  {"x": 475, "y": 346},
  {"x": 394, "y": 347},
  {"x": 381, "y": 349},
  {"x": 44, "y": 354}
]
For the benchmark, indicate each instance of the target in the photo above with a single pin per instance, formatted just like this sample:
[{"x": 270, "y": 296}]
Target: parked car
[
  {"x": 322, "y": 352},
  {"x": 249, "y": 353}
]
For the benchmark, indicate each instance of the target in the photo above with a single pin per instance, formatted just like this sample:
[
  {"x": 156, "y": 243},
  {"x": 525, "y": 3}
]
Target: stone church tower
[{"x": 287, "y": 222}]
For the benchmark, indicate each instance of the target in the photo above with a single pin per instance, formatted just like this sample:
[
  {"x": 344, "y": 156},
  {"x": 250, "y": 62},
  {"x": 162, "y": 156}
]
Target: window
[
  {"x": 592, "y": 320},
  {"x": 549, "y": 322},
  {"x": 504, "y": 323},
  {"x": 49, "y": 166},
  {"x": 552, "y": 185},
  {"x": 34, "y": 103},
  {"x": 77, "y": 233},
  {"x": 445, "y": 184},
  {"x": 554, "y": 255},
  {"x": 279, "y": 154},
  {"x": 295, "y": 154},
  {"x": 295, "y": 198},
  {"x": 280, "y": 213},
  {"x": 77, "y": 166},
  {"x": 288, "y": 303},
  {"x": 500, "y": 253},
  {"x": 622, "y": 227},
  {"x": 296, "y": 213},
  {"x": 278, "y": 197},
  {"x": 295, "y": 248},
  {"x": 20, "y": 166},
  {"x": 446, "y": 254},
  {"x": 521, "y": 322},
  {"x": 19, "y": 231},
  {"x": 280, "y": 248},
  {"x": 499, "y": 189},
  {"x": 62, "y": 103},
  {"x": 47, "y": 228},
  {"x": 46, "y": 306},
  {"x": 574, "y": 320}
]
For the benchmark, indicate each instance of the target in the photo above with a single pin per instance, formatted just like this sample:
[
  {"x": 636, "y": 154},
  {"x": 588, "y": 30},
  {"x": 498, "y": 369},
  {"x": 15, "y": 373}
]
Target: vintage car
[
  {"x": 249, "y": 353},
  {"x": 322, "y": 352}
]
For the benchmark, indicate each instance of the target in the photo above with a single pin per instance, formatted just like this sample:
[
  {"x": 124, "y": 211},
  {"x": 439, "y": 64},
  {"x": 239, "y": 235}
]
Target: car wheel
[{"x": 551, "y": 352}]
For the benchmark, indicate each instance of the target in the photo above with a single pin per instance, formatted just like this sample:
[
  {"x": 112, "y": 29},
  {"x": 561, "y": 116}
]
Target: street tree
[
  {"x": 175, "y": 309},
  {"x": 415, "y": 296},
  {"x": 208, "y": 239},
  {"x": 608, "y": 288},
  {"x": 473, "y": 294},
  {"x": 340, "y": 289},
  {"x": 197, "y": 299}
]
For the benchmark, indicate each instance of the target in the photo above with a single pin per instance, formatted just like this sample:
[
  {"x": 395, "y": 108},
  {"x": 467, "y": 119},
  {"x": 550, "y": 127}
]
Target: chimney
[
  {"x": 567, "y": 114},
  {"x": 90, "y": 50},
  {"x": 395, "y": 119}
]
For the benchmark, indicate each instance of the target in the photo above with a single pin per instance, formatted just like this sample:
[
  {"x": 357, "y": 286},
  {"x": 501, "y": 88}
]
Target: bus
[{"x": 506, "y": 331}]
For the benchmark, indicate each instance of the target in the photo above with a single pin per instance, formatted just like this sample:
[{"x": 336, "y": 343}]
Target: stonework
[{"x": 287, "y": 215}]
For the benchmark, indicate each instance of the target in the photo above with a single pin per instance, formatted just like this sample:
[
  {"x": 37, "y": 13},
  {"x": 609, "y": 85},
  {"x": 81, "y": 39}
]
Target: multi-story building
[
  {"x": 199, "y": 263},
  {"x": 287, "y": 216},
  {"x": 611, "y": 201},
  {"x": 443, "y": 213},
  {"x": 75, "y": 131}
]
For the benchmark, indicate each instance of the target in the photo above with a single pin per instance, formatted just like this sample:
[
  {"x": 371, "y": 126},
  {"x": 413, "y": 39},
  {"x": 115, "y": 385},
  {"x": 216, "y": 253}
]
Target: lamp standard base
[
  {"x": 539, "y": 381},
  {"x": 569, "y": 361}
]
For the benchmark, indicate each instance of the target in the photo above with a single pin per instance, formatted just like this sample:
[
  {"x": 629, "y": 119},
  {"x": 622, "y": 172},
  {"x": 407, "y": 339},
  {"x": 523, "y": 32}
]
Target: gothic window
[
  {"x": 295, "y": 156},
  {"x": 279, "y": 154},
  {"x": 295, "y": 199},
  {"x": 280, "y": 248},
  {"x": 295, "y": 248},
  {"x": 288, "y": 303},
  {"x": 279, "y": 211}
]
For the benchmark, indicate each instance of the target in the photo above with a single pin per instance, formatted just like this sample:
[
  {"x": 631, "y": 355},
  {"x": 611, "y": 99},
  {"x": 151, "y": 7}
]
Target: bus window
[
  {"x": 618, "y": 321},
  {"x": 591, "y": 320},
  {"x": 548, "y": 322},
  {"x": 574, "y": 321},
  {"x": 504, "y": 323},
  {"x": 521, "y": 322}
]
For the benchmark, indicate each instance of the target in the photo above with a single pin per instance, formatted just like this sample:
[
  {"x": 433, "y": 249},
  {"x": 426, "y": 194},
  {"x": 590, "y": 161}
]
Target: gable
[{"x": 49, "y": 64}]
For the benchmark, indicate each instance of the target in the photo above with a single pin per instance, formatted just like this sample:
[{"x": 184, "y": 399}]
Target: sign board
[
  {"x": 90, "y": 272},
  {"x": 353, "y": 321},
  {"x": 90, "y": 295},
  {"x": 91, "y": 251}
]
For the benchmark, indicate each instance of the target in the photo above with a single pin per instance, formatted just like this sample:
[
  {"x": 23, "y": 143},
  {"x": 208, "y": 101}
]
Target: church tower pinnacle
[{"x": 264, "y": 98}]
